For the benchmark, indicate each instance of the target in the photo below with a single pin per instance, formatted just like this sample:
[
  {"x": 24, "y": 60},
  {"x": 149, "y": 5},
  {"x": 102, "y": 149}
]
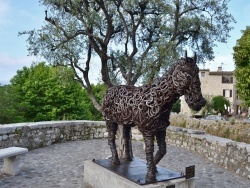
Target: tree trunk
[{"x": 121, "y": 149}]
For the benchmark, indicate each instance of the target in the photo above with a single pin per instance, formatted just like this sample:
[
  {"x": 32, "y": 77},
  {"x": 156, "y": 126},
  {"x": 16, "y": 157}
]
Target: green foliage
[
  {"x": 207, "y": 109},
  {"x": 242, "y": 48},
  {"x": 9, "y": 109},
  {"x": 47, "y": 93},
  {"x": 242, "y": 62},
  {"x": 232, "y": 120},
  {"x": 177, "y": 106},
  {"x": 99, "y": 91},
  {"x": 218, "y": 104},
  {"x": 43, "y": 93},
  {"x": 242, "y": 74}
]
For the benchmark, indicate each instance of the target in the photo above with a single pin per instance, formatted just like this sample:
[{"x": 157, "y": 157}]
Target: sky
[{"x": 25, "y": 15}]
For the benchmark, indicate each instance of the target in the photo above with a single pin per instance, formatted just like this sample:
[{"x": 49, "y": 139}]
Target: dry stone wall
[
  {"x": 41, "y": 134},
  {"x": 234, "y": 156}
]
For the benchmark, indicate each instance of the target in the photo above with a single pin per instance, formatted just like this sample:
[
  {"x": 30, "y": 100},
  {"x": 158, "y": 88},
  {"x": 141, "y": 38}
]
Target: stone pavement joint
[{"x": 61, "y": 166}]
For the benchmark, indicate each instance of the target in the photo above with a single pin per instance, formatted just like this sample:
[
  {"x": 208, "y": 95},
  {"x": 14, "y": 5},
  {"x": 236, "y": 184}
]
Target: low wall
[
  {"x": 234, "y": 156},
  {"x": 41, "y": 134}
]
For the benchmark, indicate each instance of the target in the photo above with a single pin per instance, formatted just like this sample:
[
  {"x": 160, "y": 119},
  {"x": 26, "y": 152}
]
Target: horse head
[{"x": 186, "y": 82}]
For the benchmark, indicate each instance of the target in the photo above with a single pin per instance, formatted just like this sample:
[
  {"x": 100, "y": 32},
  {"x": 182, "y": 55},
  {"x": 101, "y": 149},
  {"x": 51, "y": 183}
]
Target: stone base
[{"x": 97, "y": 176}]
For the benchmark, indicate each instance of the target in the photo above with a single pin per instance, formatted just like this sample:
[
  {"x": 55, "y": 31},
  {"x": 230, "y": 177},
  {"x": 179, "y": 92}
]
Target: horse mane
[{"x": 179, "y": 62}]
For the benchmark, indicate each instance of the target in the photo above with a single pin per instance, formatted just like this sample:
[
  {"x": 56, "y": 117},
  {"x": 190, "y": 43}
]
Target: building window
[
  {"x": 227, "y": 79},
  {"x": 237, "y": 95},
  {"x": 203, "y": 74},
  {"x": 227, "y": 93}
]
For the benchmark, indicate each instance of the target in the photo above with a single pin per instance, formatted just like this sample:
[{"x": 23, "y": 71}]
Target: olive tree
[{"x": 133, "y": 41}]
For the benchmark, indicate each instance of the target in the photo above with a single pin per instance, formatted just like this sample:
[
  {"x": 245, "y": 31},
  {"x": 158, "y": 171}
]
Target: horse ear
[
  {"x": 186, "y": 55},
  {"x": 195, "y": 57}
]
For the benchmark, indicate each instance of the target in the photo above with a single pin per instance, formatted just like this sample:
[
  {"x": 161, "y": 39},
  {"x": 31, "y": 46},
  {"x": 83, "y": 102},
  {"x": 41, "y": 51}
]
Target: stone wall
[
  {"x": 41, "y": 134},
  {"x": 234, "y": 156}
]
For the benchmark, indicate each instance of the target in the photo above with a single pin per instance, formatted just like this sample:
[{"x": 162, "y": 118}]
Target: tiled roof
[
  {"x": 204, "y": 70},
  {"x": 221, "y": 73}
]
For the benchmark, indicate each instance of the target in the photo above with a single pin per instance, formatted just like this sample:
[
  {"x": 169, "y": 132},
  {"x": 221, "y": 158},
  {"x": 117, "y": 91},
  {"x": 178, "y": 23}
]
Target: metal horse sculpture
[{"x": 148, "y": 107}]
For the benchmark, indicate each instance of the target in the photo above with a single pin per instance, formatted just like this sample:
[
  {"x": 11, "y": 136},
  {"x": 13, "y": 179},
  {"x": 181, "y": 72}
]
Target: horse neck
[{"x": 170, "y": 93}]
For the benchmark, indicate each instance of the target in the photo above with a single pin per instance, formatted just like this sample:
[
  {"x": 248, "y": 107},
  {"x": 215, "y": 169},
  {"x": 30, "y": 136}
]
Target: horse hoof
[
  {"x": 116, "y": 162},
  {"x": 150, "y": 179},
  {"x": 128, "y": 159}
]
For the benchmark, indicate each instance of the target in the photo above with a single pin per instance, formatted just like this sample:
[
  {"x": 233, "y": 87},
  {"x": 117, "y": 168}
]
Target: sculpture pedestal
[{"x": 100, "y": 174}]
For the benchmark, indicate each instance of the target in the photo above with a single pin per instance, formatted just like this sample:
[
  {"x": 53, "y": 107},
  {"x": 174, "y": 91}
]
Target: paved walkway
[{"x": 61, "y": 165}]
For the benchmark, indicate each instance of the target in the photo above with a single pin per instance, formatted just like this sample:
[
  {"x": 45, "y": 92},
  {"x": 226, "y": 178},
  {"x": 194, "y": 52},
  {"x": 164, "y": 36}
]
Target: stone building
[{"x": 214, "y": 83}]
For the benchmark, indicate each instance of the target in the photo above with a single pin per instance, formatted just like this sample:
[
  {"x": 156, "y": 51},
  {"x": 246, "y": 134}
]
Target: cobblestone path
[{"x": 61, "y": 165}]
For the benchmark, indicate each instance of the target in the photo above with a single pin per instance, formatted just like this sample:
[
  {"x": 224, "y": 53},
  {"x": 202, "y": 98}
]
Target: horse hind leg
[
  {"x": 161, "y": 141},
  {"x": 112, "y": 128},
  {"x": 127, "y": 142}
]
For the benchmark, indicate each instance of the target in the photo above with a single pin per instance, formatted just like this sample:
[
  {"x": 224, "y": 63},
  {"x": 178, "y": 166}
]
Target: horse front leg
[
  {"x": 149, "y": 150},
  {"x": 161, "y": 141},
  {"x": 112, "y": 128},
  {"x": 127, "y": 142}
]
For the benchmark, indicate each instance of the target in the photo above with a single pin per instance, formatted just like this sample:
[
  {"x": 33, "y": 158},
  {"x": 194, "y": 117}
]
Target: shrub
[{"x": 232, "y": 120}]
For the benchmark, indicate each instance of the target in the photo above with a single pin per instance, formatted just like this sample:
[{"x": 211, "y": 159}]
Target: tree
[
  {"x": 241, "y": 57},
  {"x": 134, "y": 40},
  {"x": 9, "y": 112},
  {"x": 219, "y": 103},
  {"x": 207, "y": 109},
  {"x": 49, "y": 93},
  {"x": 177, "y": 106}
]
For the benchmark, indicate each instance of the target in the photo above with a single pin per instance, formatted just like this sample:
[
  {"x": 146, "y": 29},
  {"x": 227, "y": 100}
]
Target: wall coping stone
[
  {"x": 173, "y": 128},
  {"x": 199, "y": 136},
  {"x": 10, "y": 128},
  {"x": 193, "y": 131},
  {"x": 218, "y": 140},
  {"x": 185, "y": 130}
]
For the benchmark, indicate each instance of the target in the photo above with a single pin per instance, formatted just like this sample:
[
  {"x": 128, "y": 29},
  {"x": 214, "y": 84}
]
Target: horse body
[
  {"x": 144, "y": 107},
  {"x": 148, "y": 107}
]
